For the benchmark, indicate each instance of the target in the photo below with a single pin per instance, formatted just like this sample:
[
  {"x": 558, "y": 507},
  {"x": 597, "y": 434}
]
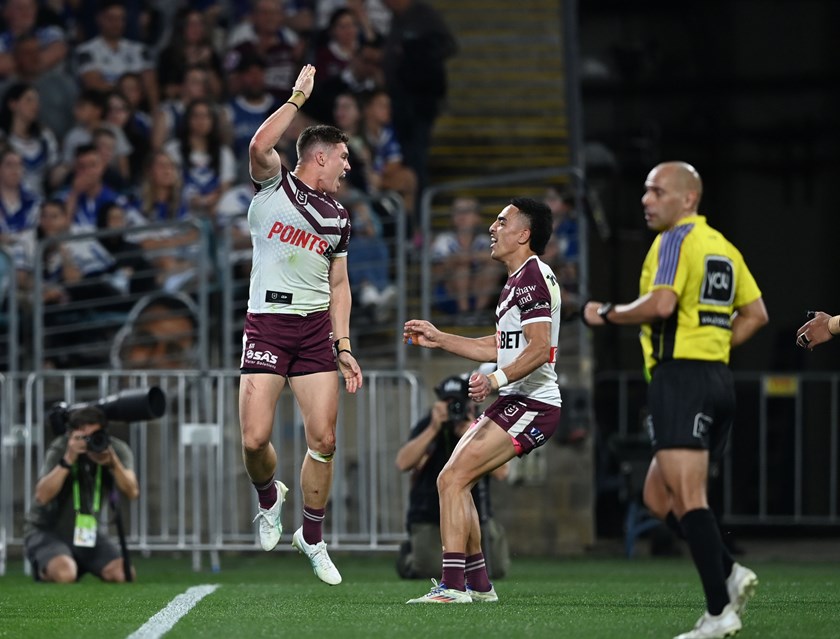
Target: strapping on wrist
[
  {"x": 297, "y": 99},
  {"x": 499, "y": 378},
  {"x": 342, "y": 345},
  {"x": 834, "y": 325}
]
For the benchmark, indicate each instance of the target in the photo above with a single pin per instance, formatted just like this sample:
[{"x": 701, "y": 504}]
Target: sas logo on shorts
[
  {"x": 260, "y": 356},
  {"x": 718, "y": 281}
]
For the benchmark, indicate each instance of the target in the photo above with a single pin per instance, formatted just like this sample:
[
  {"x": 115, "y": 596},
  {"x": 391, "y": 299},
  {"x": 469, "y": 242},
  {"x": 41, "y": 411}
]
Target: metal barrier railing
[
  {"x": 9, "y": 321},
  {"x": 194, "y": 493},
  {"x": 94, "y": 319},
  {"x": 781, "y": 466}
]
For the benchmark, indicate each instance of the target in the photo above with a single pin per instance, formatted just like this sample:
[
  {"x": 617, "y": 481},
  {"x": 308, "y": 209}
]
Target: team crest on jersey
[{"x": 302, "y": 197}]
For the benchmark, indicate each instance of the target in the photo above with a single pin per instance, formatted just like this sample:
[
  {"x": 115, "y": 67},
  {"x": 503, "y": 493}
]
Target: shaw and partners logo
[{"x": 289, "y": 234}]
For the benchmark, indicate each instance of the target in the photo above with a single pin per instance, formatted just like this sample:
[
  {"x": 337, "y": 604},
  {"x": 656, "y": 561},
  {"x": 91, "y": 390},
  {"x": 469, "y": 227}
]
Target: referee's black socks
[
  {"x": 703, "y": 537},
  {"x": 674, "y": 525}
]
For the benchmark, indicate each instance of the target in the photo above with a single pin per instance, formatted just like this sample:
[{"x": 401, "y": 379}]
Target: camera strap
[
  {"x": 97, "y": 491},
  {"x": 84, "y": 533}
]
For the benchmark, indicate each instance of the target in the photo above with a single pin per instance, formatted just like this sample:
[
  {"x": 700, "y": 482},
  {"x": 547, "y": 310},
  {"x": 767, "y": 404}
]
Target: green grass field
[{"x": 278, "y": 596}]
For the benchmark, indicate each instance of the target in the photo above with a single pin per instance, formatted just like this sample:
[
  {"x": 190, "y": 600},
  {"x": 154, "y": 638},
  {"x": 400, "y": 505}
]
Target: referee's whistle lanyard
[{"x": 84, "y": 534}]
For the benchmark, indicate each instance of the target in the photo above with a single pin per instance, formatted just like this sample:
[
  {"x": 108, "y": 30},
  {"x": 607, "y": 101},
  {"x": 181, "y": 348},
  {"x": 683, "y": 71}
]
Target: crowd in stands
[{"x": 122, "y": 114}]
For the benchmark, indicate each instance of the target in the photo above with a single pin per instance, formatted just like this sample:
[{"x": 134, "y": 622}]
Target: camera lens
[{"x": 98, "y": 441}]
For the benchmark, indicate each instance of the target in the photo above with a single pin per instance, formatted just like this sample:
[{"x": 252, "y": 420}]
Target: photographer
[
  {"x": 431, "y": 443},
  {"x": 66, "y": 531}
]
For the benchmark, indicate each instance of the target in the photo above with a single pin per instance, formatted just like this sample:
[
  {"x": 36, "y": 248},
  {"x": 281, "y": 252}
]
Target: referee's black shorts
[{"x": 692, "y": 405}]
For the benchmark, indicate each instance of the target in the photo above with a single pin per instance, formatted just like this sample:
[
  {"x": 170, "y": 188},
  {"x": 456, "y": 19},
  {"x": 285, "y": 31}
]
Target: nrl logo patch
[{"x": 301, "y": 197}]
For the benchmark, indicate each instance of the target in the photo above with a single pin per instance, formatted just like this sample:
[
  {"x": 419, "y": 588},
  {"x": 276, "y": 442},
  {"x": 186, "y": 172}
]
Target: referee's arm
[{"x": 747, "y": 320}]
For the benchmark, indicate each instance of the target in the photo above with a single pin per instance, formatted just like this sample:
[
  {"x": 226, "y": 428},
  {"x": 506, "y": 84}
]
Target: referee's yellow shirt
[{"x": 710, "y": 279}]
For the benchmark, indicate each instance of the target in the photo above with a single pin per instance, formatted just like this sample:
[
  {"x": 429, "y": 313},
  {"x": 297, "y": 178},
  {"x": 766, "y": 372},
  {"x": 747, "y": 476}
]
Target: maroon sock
[
  {"x": 313, "y": 518},
  {"x": 453, "y": 570},
  {"x": 267, "y": 494},
  {"x": 476, "y": 573}
]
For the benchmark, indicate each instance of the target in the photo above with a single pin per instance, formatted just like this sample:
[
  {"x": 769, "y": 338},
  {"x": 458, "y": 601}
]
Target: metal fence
[
  {"x": 781, "y": 465},
  {"x": 9, "y": 324},
  {"x": 194, "y": 493}
]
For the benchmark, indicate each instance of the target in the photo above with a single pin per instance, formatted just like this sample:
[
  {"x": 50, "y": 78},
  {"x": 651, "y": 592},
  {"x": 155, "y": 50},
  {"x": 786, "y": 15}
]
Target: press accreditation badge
[{"x": 85, "y": 533}]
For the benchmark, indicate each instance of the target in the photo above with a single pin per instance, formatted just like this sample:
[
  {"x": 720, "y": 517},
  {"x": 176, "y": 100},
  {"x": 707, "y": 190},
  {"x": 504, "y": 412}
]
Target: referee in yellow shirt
[{"x": 697, "y": 299}]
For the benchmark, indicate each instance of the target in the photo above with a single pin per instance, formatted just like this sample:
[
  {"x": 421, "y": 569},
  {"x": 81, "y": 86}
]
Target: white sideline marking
[{"x": 162, "y": 622}]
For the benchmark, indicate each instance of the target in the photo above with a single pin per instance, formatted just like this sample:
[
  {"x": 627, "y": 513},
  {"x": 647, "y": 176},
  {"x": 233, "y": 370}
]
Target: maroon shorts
[
  {"x": 287, "y": 344},
  {"x": 528, "y": 422}
]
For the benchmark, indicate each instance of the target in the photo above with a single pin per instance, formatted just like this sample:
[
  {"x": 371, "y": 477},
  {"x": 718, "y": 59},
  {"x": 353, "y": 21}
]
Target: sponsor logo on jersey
[
  {"x": 289, "y": 234},
  {"x": 509, "y": 339},
  {"x": 718, "y": 281},
  {"x": 260, "y": 357}
]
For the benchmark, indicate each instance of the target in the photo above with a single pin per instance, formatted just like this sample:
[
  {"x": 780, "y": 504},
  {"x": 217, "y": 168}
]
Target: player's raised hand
[{"x": 305, "y": 80}]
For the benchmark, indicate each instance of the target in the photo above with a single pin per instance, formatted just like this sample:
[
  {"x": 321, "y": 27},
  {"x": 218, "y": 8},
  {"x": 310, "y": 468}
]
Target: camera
[
  {"x": 131, "y": 405},
  {"x": 98, "y": 441},
  {"x": 455, "y": 391}
]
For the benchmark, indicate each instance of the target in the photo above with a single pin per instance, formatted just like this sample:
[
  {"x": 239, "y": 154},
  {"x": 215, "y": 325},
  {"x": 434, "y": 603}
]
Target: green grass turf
[{"x": 278, "y": 596}]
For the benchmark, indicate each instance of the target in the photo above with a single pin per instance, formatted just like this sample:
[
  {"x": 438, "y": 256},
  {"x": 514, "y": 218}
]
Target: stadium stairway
[{"x": 506, "y": 109}]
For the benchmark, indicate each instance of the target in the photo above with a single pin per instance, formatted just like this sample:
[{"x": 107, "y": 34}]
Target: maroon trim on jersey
[{"x": 327, "y": 207}]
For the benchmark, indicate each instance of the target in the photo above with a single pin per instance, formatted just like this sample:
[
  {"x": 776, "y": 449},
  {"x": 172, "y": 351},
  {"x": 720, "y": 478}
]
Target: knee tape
[{"x": 320, "y": 457}]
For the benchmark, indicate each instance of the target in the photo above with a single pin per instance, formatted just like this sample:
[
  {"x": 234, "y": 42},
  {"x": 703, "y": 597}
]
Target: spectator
[
  {"x": 101, "y": 60},
  {"x": 264, "y": 34},
  {"x": 389, "y": 172},
  {"x": 21, "y": 19},
  {"x": 172, "y": 249},
  {"x": 563, "y": 252},
  {"x": 169, "y": 115},
  {"x": 18, "y": 209},
  {"x": 338, "y": 46},
  {"x": 73, "y": 270},
  {"x": 363, "y": 11},
  {"x": 133, "y": 272},
  {"x": 416, "y": 49},
  {"x": 348, "y": 117},
  {"x": 21, "y": 129},
  {"x": 247, "y": 109},
  {"x": 89, "y": 111},
  {"x": 136, "y": 126},
  {"x": 55, "y": 88},
  {"x": 369, "y": 264},
  {"x": 190, "y": 45},
  {"x": 466, "y": 275},
  {"x": 363, "y": 74},
  {"x": 87, "y": 190},
  {"x": 208, "y": 167},
  {"x": 131, "y": 86},
  {"x": 116, "y": 167}
]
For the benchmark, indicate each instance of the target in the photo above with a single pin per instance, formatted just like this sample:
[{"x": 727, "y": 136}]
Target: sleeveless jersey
[
  {"x": 710, "y": 278},
  {"x": 295, "y": 232},
  {"x": 531, "y": 294}
]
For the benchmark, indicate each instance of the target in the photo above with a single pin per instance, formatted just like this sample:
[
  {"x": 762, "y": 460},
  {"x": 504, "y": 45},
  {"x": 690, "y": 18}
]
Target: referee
[{"x": 697, "y": 299}]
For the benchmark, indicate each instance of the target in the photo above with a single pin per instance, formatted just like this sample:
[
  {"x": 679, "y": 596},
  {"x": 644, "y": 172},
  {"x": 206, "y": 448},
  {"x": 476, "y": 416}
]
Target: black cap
[{"x": 455, "y": 387}]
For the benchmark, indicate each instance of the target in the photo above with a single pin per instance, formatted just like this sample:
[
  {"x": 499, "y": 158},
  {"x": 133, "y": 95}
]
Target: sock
[
  {"x": 728, "y": 561},
  {"x": 476, "y": 573},
  {"x": 453, "y": 570},
  {"x": 703, "y": 537},
  {"x": 674, "y": 524},
  {"x": 267, "y": 493},
  {"x": 313, "y": 518}
]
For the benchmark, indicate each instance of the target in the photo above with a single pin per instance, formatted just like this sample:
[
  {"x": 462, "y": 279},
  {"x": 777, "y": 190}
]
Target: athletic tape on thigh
[{"x": 321, "y": 457}]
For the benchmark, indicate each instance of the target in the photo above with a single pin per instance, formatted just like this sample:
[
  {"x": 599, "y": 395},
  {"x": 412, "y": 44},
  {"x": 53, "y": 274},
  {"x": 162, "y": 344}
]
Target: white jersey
[
  {"x": 295, "y": 232},
  {"x": 531, "y": 294}
]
